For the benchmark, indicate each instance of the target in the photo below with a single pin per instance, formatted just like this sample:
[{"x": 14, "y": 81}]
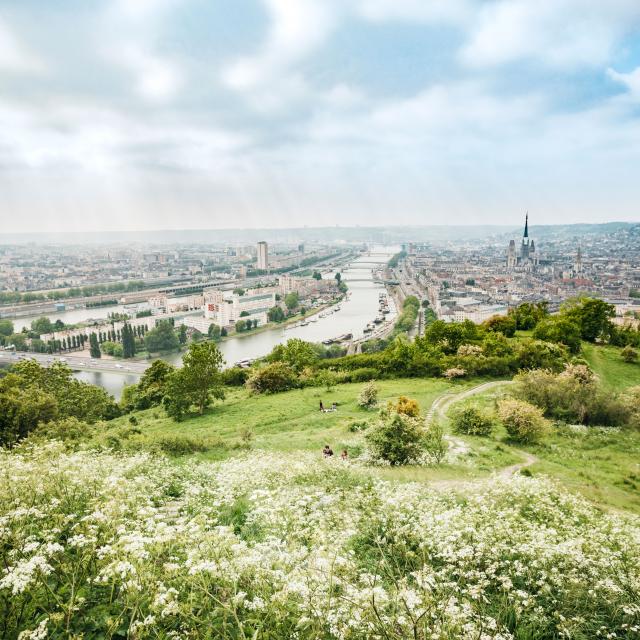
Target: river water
[{"x": 360, "y": 308}]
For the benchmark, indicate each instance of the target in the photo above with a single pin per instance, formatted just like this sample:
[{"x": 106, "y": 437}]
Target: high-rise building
[{"x": 263, "y": 255}]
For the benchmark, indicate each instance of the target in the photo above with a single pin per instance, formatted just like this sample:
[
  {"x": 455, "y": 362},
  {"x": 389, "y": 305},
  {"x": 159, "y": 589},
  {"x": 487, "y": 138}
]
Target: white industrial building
[{"x": 225, "y": 308}]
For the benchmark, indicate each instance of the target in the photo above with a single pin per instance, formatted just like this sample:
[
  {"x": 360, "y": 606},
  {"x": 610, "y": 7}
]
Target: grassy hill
[{"x": 601, "y": 464}]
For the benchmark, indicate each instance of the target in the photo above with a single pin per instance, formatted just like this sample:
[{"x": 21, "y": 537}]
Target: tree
[
  {"x": 151, "y": 389},
  {"x": 291, "y": 300},
  {"x": 397, "y": 439},
  {"x": 94, "y": 347},
  {"x": 592, "y": 316},
  {"x": 244, "y": 314},
  {"x": 6, "y": 327},
  {"x": 19, "y": 341},
  {"x": 241, "y": 325},
  {"x": 128, "y": 341},
  {"x": 275, "y": 314},
  {"x": 317, "y": 275},
  {"x": 297, "y": 353},
  {"x": 239, "y": 291},
  {"x": 214, "y": 332},
  {"x": 629, "y": 354},
  {"x": 22, "y": 409},
  {"x": 42, "y": 325},
  {"x": 200, "y": 380},
  {"x": 506, "y": 325},
  {"x": 528, "y": 314},
  {"x": 561, "y": 330},
  {"x": 162, "y": 338},
  {"x": 182, "y": 334},
  {"x": 223, "y": 332},
  {"x": 338, "y": 277}
]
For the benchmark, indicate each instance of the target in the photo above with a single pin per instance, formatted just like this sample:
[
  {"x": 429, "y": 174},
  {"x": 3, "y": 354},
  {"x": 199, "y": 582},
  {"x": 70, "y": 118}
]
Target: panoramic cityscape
[{"x": 319, "y": 320}]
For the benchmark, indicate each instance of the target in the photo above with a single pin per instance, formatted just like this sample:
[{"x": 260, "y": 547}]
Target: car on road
[{"x": 119, "y": 366}]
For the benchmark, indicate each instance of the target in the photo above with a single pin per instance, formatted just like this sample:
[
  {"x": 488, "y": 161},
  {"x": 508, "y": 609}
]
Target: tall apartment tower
[{"x": 263, "y": 255}]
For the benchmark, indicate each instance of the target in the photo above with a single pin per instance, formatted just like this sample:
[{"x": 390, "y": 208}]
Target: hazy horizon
[{"x": 169, "y": 114}]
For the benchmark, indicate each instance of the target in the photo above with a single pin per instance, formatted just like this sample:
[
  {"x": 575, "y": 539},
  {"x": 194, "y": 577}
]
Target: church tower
[
  {"x": 512, "y": 261},
  {"x": 577, "y": 266},
  {"x": 525, "y": 248}
]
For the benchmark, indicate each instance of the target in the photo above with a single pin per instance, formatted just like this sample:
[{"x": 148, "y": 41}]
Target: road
[
  {"x": 439, "y": 408},
  {"x": 77, "y": 363}
]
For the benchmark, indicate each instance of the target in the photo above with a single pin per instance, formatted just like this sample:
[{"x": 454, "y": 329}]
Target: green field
[
  {"x": 609, "y": 365},
  {"x": 600, "y": 464}
]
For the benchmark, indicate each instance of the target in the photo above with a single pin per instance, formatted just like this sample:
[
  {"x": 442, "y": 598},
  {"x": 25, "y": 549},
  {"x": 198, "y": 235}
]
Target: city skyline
[{"x": 181, "y": 114}]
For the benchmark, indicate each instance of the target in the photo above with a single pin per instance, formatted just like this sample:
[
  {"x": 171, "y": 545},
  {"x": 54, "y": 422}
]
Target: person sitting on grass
[
  {"x": 344, "y": 455},
  {"x": 327, "y": 452}
]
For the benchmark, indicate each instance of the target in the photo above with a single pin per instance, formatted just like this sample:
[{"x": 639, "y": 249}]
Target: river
[{"x": 360, "y": 308}]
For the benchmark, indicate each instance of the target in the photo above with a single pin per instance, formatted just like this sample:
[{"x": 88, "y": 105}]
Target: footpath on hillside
[{"x": 438, "y": 410}]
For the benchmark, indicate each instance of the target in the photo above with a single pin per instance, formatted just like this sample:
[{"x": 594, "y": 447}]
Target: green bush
[
  {"x": 272, "y": 378},
  {"x": 179, "y": 445},
  {"x": 235, "y": 376},
  {"x": 398, "y": 439},
  {"x": 472, "y": 421},
  {"x": 572, "y": 396},
  {"x": 523, "y": 422},
  {"x": 66, "y": 429},
  {"x": 433, "y": 442}
]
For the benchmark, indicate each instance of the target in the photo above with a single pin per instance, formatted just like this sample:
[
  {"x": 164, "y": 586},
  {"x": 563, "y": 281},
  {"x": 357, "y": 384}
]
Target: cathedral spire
[{"x": 526, "y": 226}]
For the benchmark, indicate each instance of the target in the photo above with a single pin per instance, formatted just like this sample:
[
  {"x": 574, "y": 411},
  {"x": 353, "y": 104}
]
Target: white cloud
[
  {"x": 296, "y": 31},
  {"x": 138, "y": 25},
  {"x": 90, "y": 138},
  {"x": 561, "y": 33},
  {"x": 630, "y": 80},
  {"x": 15, "y": 56},
  {"x": 448, "y": 11},
  {"x": 157, "y": 78}
]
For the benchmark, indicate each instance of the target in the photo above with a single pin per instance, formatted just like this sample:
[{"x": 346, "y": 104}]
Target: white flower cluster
[{"x": 106, "y": 545}]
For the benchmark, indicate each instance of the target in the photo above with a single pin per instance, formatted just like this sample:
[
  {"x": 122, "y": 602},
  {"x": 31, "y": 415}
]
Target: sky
[{"x": 204, "y": 114}]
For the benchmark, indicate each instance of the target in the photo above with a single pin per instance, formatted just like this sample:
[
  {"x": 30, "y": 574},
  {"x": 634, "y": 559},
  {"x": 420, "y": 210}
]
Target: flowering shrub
[
  {"x": 407, "y": 406},
  {"x": 98, "y": 545},
  {"x": 454, "y": 372},
  {"x": 523, "y": 421},
  {"x": 470, "y": 350},
  {"x": 368, "y": 397}
]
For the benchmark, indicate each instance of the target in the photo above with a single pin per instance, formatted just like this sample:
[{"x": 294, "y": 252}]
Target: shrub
[
  {"x": 272, "y": 378},
  {"x": 407, "y": 407},
  {"x": 358, "y": 425},
  {"x": 368, "y": 397},
  {"x": 631, "y": 400},
  {"x": 454, "y": 372},
  {"x": 434, "y": 443},
  {"x": 235, "y": 376},
  {"x": 65, "y": 429},
  {"x": 397, "y": 439},
  {"x": 363, "y": 374},
  {"x": 469, "y": 350},
  {"x": 179, "y": 445},
  {"x": 629, "y": 354},
  {"x": 572, "y": 396},
  {"x": 523, "y": 422},
  {"x": 472, "y": 421}
]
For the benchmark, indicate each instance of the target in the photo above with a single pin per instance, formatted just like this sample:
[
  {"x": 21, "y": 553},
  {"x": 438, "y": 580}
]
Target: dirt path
[{"x": 439, "y": 408}]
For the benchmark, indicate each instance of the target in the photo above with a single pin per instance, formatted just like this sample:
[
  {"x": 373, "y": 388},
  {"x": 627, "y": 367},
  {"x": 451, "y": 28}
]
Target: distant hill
[{"x": 437, "y": 234}]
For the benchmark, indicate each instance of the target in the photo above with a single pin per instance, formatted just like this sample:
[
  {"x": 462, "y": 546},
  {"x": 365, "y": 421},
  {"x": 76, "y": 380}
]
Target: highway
[{"x": 77, "y": 363}]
